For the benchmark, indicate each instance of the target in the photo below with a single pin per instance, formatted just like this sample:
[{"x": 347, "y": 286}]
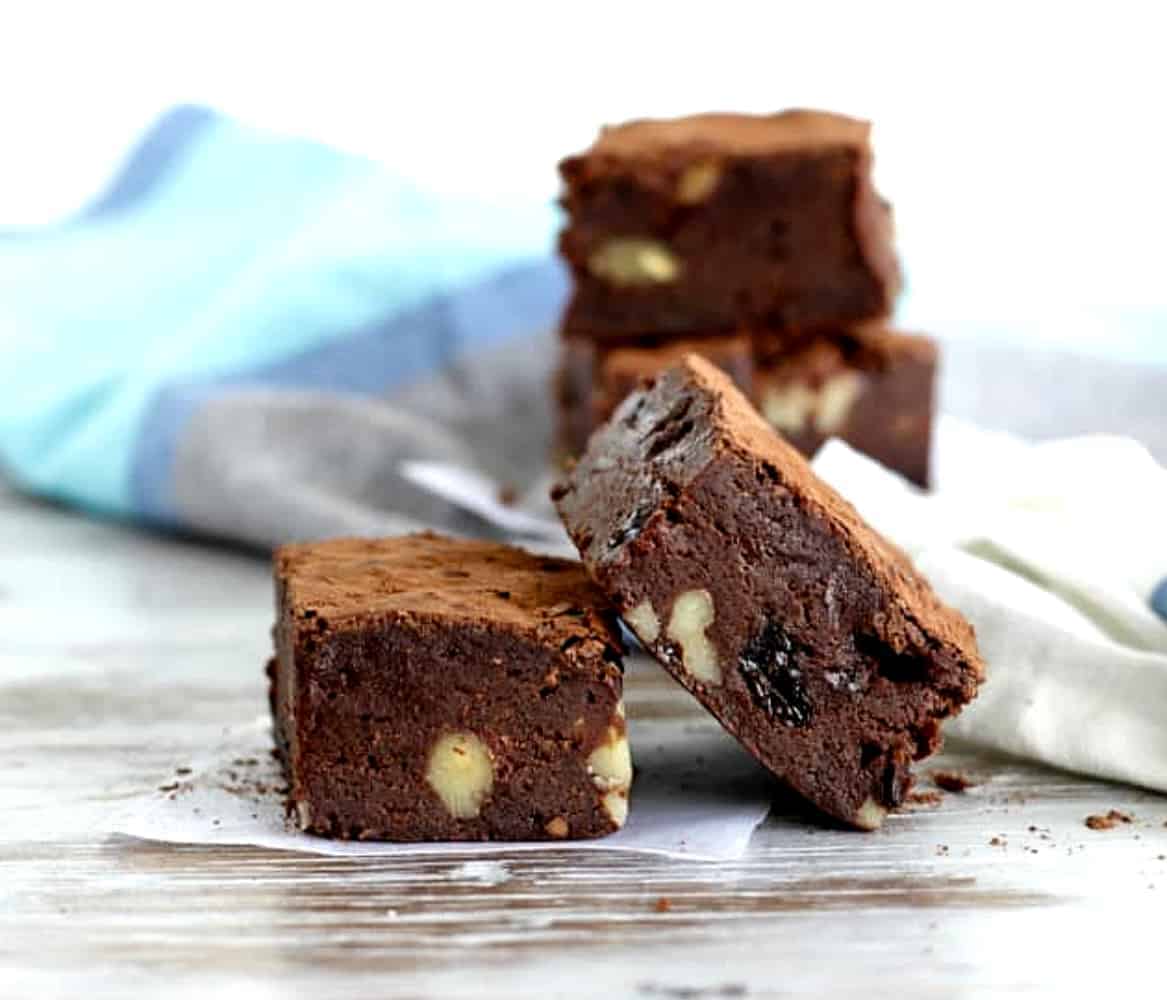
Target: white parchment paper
[{"x": 696, "y": 795}]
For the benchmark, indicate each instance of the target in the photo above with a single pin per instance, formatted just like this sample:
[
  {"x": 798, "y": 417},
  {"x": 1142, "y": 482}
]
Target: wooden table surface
[{"x": 122, "y": 654}]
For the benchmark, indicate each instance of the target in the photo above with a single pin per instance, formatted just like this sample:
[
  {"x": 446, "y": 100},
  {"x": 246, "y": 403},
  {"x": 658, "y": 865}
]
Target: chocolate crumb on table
[
  {"x": 951, "y": 781},
  {"x": 1107, "y": 821},
  {"x": 807, "y": 635},
  {"x": 412, "y": 701},
  {"x": 716, "y": 221}
]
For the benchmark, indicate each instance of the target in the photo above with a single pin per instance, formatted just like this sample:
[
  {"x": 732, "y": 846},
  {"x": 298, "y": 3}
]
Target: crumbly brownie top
[
  {"x": 633, "y": 362},
  {"x": 878, "y": 346},
  {"x": 732, "y": 424},
  {"x": 732, "y": 134},
  {"x": 873, "y": 348},
  {"x": 429, "y": 576}
]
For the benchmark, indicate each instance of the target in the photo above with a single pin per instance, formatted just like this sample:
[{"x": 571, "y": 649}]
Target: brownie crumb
[
  {"x": 182, "y": 771},
  {"x": 1108, "y": 821},
  {"x": 508, "y": 495},
  {"x": 172, "y": 787},
  {"x": 924, "y": 798},
  {"x": 952, "y": 781},
  {"x": 663, "y": 904},
  {"x": 997, "y": 842}
]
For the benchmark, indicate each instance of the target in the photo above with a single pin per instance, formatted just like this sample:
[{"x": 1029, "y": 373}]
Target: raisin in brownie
[
  {"x": 426, "y": 688},
  {"x": 718, "y": 220},
  {"x": 811, "y": 638}
]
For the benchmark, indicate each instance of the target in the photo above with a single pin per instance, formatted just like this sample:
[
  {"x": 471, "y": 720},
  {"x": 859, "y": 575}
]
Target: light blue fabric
[{"x": 223, "y": 255}]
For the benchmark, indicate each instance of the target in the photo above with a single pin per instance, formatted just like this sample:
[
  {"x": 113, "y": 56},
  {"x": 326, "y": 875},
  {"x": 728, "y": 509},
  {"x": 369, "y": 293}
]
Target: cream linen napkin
[{"x": 1052, "y": 551}]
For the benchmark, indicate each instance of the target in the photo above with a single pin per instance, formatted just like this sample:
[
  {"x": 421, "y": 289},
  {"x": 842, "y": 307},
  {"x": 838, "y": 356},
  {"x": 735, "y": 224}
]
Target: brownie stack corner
[{"x": 760, "y": 243}]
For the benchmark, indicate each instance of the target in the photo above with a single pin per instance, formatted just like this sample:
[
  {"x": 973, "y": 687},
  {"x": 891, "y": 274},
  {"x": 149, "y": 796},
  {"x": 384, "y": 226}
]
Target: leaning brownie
[
  {"x": 872, "y": 387},
  {"x": 806, "y": 634},
  {"x": 719, "y": 220},
  {"x": 426, "y": 688}
]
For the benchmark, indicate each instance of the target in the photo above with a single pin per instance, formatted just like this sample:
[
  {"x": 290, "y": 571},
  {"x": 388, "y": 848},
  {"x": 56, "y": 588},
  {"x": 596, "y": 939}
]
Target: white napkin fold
[{"x": 1051, "y": 550}]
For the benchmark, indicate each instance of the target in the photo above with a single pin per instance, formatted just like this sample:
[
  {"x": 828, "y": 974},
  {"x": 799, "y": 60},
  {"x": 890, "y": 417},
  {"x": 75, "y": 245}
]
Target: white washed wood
[{"x": 160, "y": 643}]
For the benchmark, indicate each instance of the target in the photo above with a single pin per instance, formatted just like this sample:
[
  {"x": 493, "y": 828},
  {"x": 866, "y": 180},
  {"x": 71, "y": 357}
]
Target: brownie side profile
[
  {"x": 595, "y": 377},
  {"x": 811, "y": 638},
  {"x": 719, "y": 220},
  {"x": 426, "y": 688},
  {"x": 875, "y": 390}
]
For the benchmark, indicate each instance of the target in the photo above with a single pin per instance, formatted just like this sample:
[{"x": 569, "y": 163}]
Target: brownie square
[
  {"x": 873, "y": 388},
  {"x": 811, "y": 638},
  {"x": 719, "y": 220},
  {"x": 427, "y": 688}
]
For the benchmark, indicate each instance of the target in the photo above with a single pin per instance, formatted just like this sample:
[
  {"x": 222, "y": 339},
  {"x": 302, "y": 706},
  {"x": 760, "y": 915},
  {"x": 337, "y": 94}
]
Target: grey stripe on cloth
[{"x": 265, "y": 466}]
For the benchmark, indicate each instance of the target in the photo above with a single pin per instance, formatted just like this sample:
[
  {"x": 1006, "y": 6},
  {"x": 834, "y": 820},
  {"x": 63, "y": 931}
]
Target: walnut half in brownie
[
  {"x": 811, "y": 638},
  {"x": 719, "y": 220},
  {"x": 426, "y": 688}
]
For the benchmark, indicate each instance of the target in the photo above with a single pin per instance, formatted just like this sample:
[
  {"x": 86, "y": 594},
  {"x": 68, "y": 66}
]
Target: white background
[{"x": 1023, "y": 144}]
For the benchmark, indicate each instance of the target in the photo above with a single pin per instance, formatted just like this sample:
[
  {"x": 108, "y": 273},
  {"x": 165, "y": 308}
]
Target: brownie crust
[
  {"x": 427, "y": 688},
  {"x": 720, "y": 220},
  {"x": 811, "y": 638}
]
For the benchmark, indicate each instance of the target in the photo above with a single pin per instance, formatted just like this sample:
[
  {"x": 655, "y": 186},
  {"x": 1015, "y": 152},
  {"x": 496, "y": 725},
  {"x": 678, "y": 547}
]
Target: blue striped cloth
[{"x": 227, "y": 264}]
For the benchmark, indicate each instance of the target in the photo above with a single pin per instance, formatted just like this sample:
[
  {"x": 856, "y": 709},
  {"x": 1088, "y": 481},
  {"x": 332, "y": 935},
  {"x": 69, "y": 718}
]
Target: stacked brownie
[{"x": 760, "y": 243}]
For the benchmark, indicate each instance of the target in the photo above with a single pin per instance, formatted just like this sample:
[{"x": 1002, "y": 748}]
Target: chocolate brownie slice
[
  {"x": 426, "y": 688},
  {"x": 868, "y": 385},
  {"x": 873, "y": 388},
  {"x": 810, "y": 637},
  {"x": 717, "y": 220}
]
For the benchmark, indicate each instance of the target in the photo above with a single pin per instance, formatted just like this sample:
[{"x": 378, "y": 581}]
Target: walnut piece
[
  {"x": 835, "y": 400},
  {"x": 870, "y": 815},
  {"x": 556, "y": 827},
  {"x": 643, "y": 621},
  {"x": 610, "y": 767},
  {"x": 792, "y": 407},
  {"x": 697, "y": 182},
  {"x": 634, "y": 260},
  {"x": 461, "y": 772},
  {"x": 303, "y": 814},
  {"x": 692, "y": 614}
]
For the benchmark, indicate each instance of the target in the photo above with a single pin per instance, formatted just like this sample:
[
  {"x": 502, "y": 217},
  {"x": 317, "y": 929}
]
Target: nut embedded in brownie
[
  {"x": 811, "y": 638},
  {"x": 426, "y": 688},
  {"x": 719, "y": 220}
]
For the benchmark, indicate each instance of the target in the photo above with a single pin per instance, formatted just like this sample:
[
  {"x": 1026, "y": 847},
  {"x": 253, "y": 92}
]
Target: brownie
[
  {"x": 719, "y": 220},
  {"x": 873, "y": 389},
  {"x": 594, "y": 378},
  {"x": 811, "y": 638},
  {"x": 870, "y": 386},
  {"x": 427, "y": 688}
]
